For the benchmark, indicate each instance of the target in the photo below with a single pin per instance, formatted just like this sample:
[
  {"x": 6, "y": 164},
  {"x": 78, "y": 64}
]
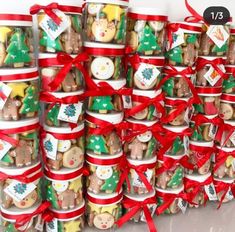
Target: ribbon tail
[
  {"x": 149, "y": 219},
  {"x": 145, "y": 181},
  {"x": 162, "y": 208}
]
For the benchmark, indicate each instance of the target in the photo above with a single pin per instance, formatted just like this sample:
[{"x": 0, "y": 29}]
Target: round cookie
[
  {"x": 146, "y": 137},
  {"x": 63, "y": 145},
  {"x": 139, "y": 25},
  {"x": 104, "y": 173},
  {"x": 102, "y": 68},
  {"x": 94, "y": 9},
  {"x": 156, "y": 26},
  {"x": 205, "y": 133},
  {"x": 140, "y": 115},
  {"x": 73, "y": 158},
  {"x": 132, "y": 40},
  {"x": 28, "y": 201},
  {"x": 179, "y": 120},
  {"x": 226, "y": 111},
  {"x": 60, "y": 186},
  {"x": 140, "y": 85},
  {"x": 103, "y": 221}
]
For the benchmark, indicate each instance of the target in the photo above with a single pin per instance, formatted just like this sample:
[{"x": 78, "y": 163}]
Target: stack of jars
[
  {"x": 105, "y": 30},
  {"x": 20, "y": 169},
  {"x": 62, "y": 138},
  {"x": 178, "y": 85}
]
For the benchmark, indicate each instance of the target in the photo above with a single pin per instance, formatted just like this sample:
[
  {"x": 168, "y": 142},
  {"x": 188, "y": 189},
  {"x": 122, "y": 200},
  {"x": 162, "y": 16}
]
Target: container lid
[
  {"x": 209, "y": 91},
  {"x": 142, "y": 122},
  {"x": 4, "y": 125},
  {"x": 63, "y": 130},
  {"x": 160, "y": 10},
  {"x": 114, "y": 118},
  {"x": 115, "y": 84},
  {"x": 104, "y": 199},
  {"x": 142, "y": 162},
  {"x": 232, "y": 123},
  {"x": 147, "y": 93},
  {"x": 225, "y": 180},
  {"x": 115, "y": 2},
  {"x": 171, "y": 191},
  {"x": 226, "y": 149},
  {"x": 16, "y": 20},
  {"x": 202, "y": 144},
  {"x": 230, "y": 98},
  {"x": 140, "y": 198},
  {"x": 176, "y": 129},
  {"x": 62, "y": 94},
  {"x": 101, "y": 45},
  {"x": 197, "y": 177}
]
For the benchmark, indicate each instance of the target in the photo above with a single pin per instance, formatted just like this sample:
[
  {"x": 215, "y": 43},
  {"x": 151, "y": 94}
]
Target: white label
[
  {"x": 18, "y": 191},
  {"x": 52, "y": 226},
  {"x": 50, "y": 144},
  {"x": 232, "y": 138},
  {"x": 137, "y": 180},
  {"x": 186, "y": 144},
  {"x": 211, "y": 193},
  {"x": 147, "y": 74},
  {"x": 178, "y": 38},
  {"x": 127, "y": 102},
  {"x": 186, "y": 116},
  {"x": 212, "y": 76},
  {"x": 218, "y": 35},
  {"x": 5, "y": 90},
  {"x": 40, "y": 223},
  {"x": 152, "y": 208},
  {"x": 4, "y": 148},
  {"x": 51, "y": 28},
  {"x": 229, "y": 195},
  {"x": 70, "y": 112},
  {"x": 182, "y": 205},
  {"x": 212, "y": 131}
]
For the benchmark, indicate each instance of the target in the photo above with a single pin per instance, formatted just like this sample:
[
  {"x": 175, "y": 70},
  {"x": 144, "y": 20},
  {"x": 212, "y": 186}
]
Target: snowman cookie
[
  {"x": 102, "y": 68},
  {"x": 104, "y": 173},
  {"x": 60, "y": 186},
  {"x": 156, "y": 26},
  {"x": 63, "y": 145},
  {"x": 146, "y": 137}
]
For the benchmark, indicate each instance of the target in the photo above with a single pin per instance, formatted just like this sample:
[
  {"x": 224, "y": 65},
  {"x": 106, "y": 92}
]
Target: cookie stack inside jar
[
  {"x": 20, "y": 169},
  {"x": 62, "y": 137},
  {"x": 177, "y": 83},
  {"x": 146, "y": 31},
  {"x": 105, "y": 36}
]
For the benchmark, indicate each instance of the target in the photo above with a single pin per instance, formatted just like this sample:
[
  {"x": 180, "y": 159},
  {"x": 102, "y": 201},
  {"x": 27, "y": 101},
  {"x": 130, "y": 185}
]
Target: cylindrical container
[
  {"x": 183, "y": 43},
  {"x": 210, "y": 101},
  {"x": 170, "y": 172},
  {"x": 229, "y": 82},
  {"x": 144, "y": 72},
  {"x": 51, "y": 66},
  {"x": 178, "y": 111},
  {"x": 17, "y": 44},
  {"x": 64, "y": 188},
  {"x": 142, "y": 144},
  {"x": 106, "y": 61},
  {"x": 19, "y": 143},
  {"x": 168, "y": 200},
  {"x": 146, "y": 30},
  {"x": 231, "y": 48},
  {"x": 107, "y": 100},
  {"x": 210, "y": 71},
  {"x": 104, "y": 173},
  {"x": 103, "y": 137},
  {"x": 105, "y": 21},
  {"x": 103, "y": 211},
  {"x": 224, "y": 163},
  {"x": 68, "y": 219},
  {"x": 195, "y": 187},
  {"x": 200, "y": 155},
  {"x": 177, "y": 84},
  {"x": 62, "y": 109},
  {"x": 20, "y": 94},
  {"x": 140, "y": 182},
  {"x": 63, "y": 36},
  {"x": 21, "y": 188},
  {"x": 214, "y": 40},
  {"x": 63, "y": 147},
  {"x": 227, "y": 107},
  {"x": 146, "y": 105}
]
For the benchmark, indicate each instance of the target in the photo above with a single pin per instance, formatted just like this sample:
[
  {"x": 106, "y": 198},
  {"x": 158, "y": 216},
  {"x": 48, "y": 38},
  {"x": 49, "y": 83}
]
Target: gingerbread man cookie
[
  {"x": 68, "y": 199},
  {"x": 95, "y": 183},
  {"x": 69, "y": 84},
  {"x": 182, "y": 88},
  {"x": 10, "y": 110},
  {"x": 137, "y": 149},
  {"x": 114, "y": 143}
]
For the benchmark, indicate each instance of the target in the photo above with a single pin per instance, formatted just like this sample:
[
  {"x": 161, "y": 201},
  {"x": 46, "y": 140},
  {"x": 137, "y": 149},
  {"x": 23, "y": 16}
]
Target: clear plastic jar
[
  {"x": 183, "y": 50},
  {"x": 100, "y": 140},
  {"x": 69, "y": 147},
  {"x": 105, "y": 21},
  {"x": 146, "y": 30},
  {"x": 50, "y": 67},
  {"x": 231, "y": 48},
  {"x": 143, "y": 72},
  {"x": 23, "y": 151},
  {"x": 21, "y": 188},
  {"x": 103, "y": 211},
  {"x": 64, "y": 188},
  {"x": 229, "y": 82},
  {"x": 104, "y": 173},
  {"x": 68, "y": 220},
  {"x": 17, "y": 42},
  {"x": 20, "y": 88},
  {"x": 214, "y": 40},
  {"x": 227, "y": 107}
]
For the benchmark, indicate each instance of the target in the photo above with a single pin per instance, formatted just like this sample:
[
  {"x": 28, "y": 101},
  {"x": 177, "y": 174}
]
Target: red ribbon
[
  {"x": 16, "y": 17},
  {"x": 106, "y": 201},
  {"x": 195, "y": 16},
  {"x": 21, "y": 76},
  {"x": 208, "y": 90},
  {"x": 68, "y": 215},
  {"x": 168, "y": 199},
  {"x": 227, "y": 97},
  {"x": 104, "y": 51},
  {"x": 25, "y": 177},
  {"x": 126, "y": 166},
  {"x": 221, "y": 158},
  {"x": 136, "y": 16},
  {"x": 200, "y": 119},
  {"x": 222, "y": 129},
  {"x": 171, "y": 71},
  {"x": 2, "y": 95},
  {"x": 134, "y": 207},
  {"x": 146, "y": 102},
  {"x": 97, "y": 161}
]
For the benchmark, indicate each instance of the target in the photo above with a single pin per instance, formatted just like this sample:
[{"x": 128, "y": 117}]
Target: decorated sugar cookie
[
  {"x": 102, "y": 68},
  {"x": 104, "y": 221},
  {"x": 104, "y": 173},
  {"x": 156, "y": 25},
  {"x": 113, "y": 12},
  {"x": 73, "y": 158},
  {"x": 139, "y": 25},
  {"x": 146, "y": 137},
  {"x": 63, "y": 145},
  {"x": 226, "y": 111},
  {"x": 60, "y": 186}
]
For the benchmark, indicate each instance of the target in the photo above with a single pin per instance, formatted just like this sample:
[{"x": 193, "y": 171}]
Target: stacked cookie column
[
  {"x": 146, "y": 33},
  {"x": 105, "y": 29},
  {"x": 20, "y": 169},
  {"x": 177, "y": 84},
  {"x": 62, "y": 138}
]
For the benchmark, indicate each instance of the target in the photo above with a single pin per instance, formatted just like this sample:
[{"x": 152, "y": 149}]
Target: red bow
[
  {"x": 221, "y": 158},
  {"x": 200, "y": 119},
  {"x": 134, "y": 207},
  {"x": 222, "y": 129},
  {"x": 49, "y": 10}
]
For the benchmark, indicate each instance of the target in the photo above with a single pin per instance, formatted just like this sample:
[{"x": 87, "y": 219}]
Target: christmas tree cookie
[
  {"x": 176, "y": 178},
  {"x": 52, "y": 116},
  {"x": 97, "y": 143},
  {"x": 121, "y": 29},
  {"x": 110, "y": 184},
  {"x": 175, "y": 55},
  {"x": 50, "y": 44},
  {"x": 229, "y": 84},
  {"x": 102, "y": 104}
]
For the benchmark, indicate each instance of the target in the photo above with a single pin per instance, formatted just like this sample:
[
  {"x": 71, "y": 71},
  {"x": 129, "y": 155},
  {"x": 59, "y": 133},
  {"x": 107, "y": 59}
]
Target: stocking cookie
[
  {"x": 210, "y": 106},
  {"x": 201, "y": 80}
]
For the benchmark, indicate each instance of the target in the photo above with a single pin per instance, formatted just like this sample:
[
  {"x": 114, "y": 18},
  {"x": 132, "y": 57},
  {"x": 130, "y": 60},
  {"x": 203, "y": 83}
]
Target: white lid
[
  {"x": 113, "y": 118},
  {"x": 197, "y": 177},
  {"x": 142, "y": 122},
  {"x": 63, "y": 130},
  {"x": 232, "y": 123},
  {"x": 62, "y": 94},
  {"x": 63, "y": 2},
  {"x": 210, "y": 95},
  {"x": 171, "y": 191},
  {"x": 186, "y": 99},
  {"x": 102, "y": 45},
  {"x": 115, "y": 2},
  {"x": 175, "y": 157},
  {"x": 225, "y": 180},
  {"x": 142, "y": 162},
  {"x": 147, "y": 93},
  {"x": 212, "y": 57},
  {"x": 116, "y": 84},
  {"x": 143, "y": 197},
  {"x": 160, "y": 10},
  {"x": 17, "y": 124},
  {"x": 226, "y": 149},
  {"x": 202, "y": 144},
  {"x": 176, "y": 129}
]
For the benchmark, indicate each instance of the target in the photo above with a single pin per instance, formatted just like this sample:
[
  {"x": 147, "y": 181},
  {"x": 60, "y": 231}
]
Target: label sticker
[
  {"x": 4, "y": 148},
  {"x": 212, "y": 76},
  {"x": 70, "y": 112},
  {"x": 137, "y": 182},
  {"x": 182, "y": 205},
  {"x": 212, "y": 131},
  {"x": 211, "y": 193},
  {"x": 178, "y": 38},
  {"x": 127, "y": 101},
  {"x": 52, "y": 226},
  {"x": 5, "y": 92},
  {"x": 218, "y": 35},
  {"x": 152, "y": 208},
  {"x": 50, "y": 144},
  {"x": 229, "y": 195}
]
